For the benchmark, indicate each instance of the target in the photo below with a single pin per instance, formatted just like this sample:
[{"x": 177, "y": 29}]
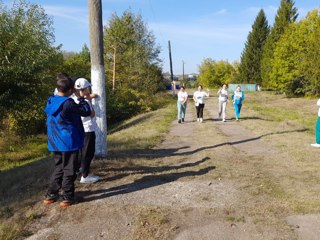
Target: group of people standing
[
  {"x": 71, "y": 137},
  {"x": 199, "y": 100}
]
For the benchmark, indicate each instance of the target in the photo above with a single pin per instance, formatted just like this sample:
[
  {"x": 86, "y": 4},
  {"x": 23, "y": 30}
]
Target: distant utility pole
[
  {"x": 171, "y": 71},
  {"x": 183, "y": 72},
  {"x": 98, "y": 75}
]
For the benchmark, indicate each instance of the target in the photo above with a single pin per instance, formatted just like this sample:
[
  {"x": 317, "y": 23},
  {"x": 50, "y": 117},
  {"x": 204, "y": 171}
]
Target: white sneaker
[
  {"x": 201, "y": 120},
  {"x": 89, "y": 179},
  {"x": 223, "y": 120},
  {"x": 315, "y": 145},
  {"x": 198, "y": 119}
]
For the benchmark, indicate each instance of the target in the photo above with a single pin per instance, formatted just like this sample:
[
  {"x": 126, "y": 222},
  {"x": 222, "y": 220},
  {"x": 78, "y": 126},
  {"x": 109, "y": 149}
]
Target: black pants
[
  {"x": 64, "y": 174},
  {"x": 200, "y": 110},
  {"x": 87, "y": 152}
]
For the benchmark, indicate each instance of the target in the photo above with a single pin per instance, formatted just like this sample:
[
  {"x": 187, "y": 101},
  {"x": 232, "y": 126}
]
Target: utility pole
[
  {"x": 170, "y": 58},
  {"x": 98, "y": 75},
  {"x": 183, "y": 72}
]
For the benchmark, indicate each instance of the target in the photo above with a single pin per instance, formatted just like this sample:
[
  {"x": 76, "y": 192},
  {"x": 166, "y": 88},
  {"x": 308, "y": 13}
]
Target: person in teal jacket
[
  {"x": 237, "y": 99},
  {"x": 317, "y": 144}
]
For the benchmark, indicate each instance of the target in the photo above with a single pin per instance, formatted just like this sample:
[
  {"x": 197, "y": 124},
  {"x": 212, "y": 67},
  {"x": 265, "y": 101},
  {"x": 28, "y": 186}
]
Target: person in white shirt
[
  {"x": 182, "y": 104},
  {"x": 198, "y": 98},
  {"x": 223, "y": 98},
  {"x": 317, "y": 144},
  {"x": 87, "y": 153}
]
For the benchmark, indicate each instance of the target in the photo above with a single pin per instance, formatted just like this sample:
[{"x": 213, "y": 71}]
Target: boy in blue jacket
[{"x": 65, "y": 138}]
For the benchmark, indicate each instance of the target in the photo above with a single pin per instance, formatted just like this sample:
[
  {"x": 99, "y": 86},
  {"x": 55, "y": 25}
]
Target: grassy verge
[{"x": 15, "y": 152}]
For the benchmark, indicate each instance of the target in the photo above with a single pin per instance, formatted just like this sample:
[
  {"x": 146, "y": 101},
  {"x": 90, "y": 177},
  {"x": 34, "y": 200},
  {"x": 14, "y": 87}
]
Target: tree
[
  {"x": 286, "y": 14},
  {"x": 135, "y": 48},
  {"x": 249, "y": 69},
  {"x": 130, "y": 51},
  {"x": 215, "y": 73},
  {"x": 295, "y": 68},
  {"x": 78, "y": 64},
  {"x": 28, "y": 60}
]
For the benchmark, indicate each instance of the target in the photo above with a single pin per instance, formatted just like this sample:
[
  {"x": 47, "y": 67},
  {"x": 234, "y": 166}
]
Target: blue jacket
[
  {"x": 238, "y": 100},
  {"x": 64, "y": 125}
]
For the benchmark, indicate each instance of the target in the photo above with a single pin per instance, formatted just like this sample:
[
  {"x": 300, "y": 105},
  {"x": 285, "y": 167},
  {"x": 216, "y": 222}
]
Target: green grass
[{"x": 17, "y": 152}]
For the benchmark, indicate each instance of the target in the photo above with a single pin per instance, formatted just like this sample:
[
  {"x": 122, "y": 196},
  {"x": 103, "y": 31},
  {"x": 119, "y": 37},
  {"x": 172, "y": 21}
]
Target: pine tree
[
  {"x": 286, "y": 14},
  {"x": 252, "y": 53}
]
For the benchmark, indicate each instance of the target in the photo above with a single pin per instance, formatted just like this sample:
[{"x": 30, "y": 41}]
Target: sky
[{"x": 197, "y": 29}]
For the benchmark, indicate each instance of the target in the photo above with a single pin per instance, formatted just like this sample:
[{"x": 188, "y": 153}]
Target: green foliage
[
  {"x": 215, "y": 73},
  {"x": 78, "y": 64},
  {"x": 295, "y": 69},
  {"x": 130, "y": 49},
  {"x": 251, "y": 56},
  {"x": 28, "y": 59},
  {"x": 286, "y": 14}
]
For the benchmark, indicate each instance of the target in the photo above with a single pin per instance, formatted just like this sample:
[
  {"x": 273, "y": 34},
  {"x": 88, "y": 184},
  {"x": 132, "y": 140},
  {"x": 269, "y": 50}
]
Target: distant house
[{"x": 192, "y": 77}]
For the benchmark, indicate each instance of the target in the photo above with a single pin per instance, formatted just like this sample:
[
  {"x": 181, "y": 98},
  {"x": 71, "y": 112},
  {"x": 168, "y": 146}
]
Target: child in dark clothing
[{"x": 65, "y": 138}]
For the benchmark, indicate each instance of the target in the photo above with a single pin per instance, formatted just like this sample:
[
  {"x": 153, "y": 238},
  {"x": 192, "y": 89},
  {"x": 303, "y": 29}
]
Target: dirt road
[{"x": 210, "y": 180}]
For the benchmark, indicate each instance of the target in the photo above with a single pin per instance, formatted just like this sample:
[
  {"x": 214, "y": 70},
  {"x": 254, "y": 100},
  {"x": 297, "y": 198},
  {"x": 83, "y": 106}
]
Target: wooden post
[{"x": 98, "y": 75}]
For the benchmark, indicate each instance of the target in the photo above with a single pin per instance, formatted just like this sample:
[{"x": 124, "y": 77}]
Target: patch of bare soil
[{"x": 204, "y": 181}]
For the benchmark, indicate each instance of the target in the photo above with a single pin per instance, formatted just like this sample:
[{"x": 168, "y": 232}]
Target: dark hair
[
  {"x": 200, "y": 86},
  {"x": 183, "y": 87},
  {"x": 64, "y": 82}
]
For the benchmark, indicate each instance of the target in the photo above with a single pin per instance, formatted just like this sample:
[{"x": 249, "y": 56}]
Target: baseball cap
[{"x": 82, "y": 83}]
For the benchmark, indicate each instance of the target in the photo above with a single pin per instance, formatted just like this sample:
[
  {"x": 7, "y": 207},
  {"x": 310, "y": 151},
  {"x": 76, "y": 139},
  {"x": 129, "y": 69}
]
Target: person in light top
[
  {"x": 317, "y": 144},
  {"x": 87, "y": 153},
  {"x": 182, "y": 104},
  {"x": 237, "y": 99},
  {"x": 223, "y": 98},
  {"x": 198, "y": 98}
]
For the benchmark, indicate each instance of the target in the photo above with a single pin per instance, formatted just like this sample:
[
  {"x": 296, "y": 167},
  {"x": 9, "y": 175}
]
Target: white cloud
[
  {"x": 76, "y": 14},
  {"x": 221, "y": 12}
]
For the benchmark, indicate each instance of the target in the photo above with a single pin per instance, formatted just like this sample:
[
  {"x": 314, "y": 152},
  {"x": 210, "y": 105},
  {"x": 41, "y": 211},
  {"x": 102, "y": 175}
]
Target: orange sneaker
[
  {"x": 50, "y": 198},
  {"x": 66, "y": 203}
]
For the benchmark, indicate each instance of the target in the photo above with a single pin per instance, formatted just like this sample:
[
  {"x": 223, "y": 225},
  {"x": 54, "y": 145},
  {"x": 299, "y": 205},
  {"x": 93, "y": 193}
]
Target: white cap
[{"x": 82, "y": 83}]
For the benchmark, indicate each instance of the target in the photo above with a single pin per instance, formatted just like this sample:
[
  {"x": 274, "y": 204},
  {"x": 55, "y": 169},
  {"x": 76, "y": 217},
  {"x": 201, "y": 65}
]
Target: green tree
[
  {"x": 131, "y": 50},
  {"x": 286, "y": 14},
  {"x": 28, "y": 60},
  {"x": 215, "y": 73},
  {"x": 78, "y": 64},
  {"x": 249, "y": 69},
  {"x": 295, "y": 68}
]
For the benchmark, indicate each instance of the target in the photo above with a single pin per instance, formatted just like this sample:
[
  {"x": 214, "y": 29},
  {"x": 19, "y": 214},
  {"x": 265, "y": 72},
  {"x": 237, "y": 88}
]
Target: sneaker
[
  {"x": 89, "y": 179},
  {"x": 237, "y": 119},
  {"x": 51, "y": 198},
  {"x": 198, "y": 119},
  {"x": 316, "y": 145},
  {"x": 182, "y": 120},
  {"x": 66, "y": 202},
  {"x": 223, "y": 120},
  {"x": 179, "y": 121},
  {"x": 201, "y": 119}
]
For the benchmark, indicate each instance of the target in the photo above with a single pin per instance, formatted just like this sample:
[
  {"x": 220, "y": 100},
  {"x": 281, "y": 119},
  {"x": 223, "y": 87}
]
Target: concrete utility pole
[
  {"x": 183, "y": 72},
  {"x": 170, "y": 58},
  {"x": 98, "y": 75}
]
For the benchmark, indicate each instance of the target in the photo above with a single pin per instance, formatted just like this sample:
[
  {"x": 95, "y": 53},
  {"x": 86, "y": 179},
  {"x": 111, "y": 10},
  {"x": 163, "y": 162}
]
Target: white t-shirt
[
  {"x": 223, "y": 95},
  {"x": 89, "y": 123},
  {"x": 318, "y": 103},
  {"x": 199, "y": 96},
  {"x": 182, "y": 96}
]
